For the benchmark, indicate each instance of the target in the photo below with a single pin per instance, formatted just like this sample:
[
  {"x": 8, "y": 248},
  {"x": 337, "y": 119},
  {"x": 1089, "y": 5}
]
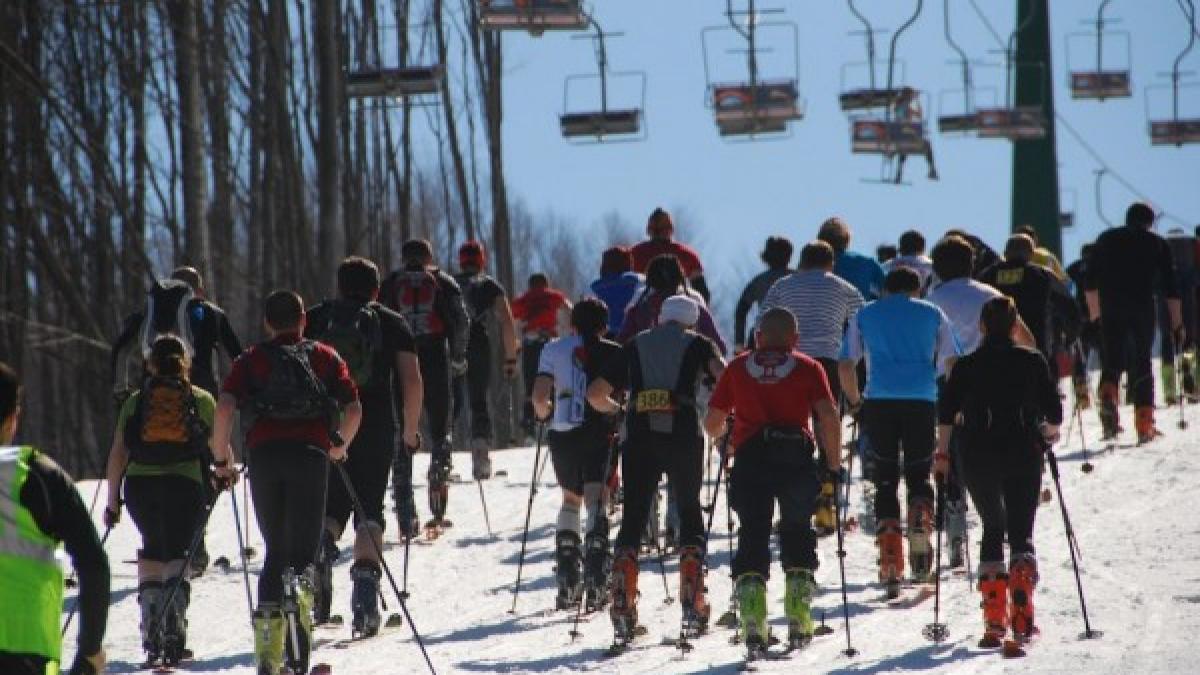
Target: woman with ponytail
[
  {"x": 665, "y": 278},
  {"x": 579, "y": 440},
  {"x": 158, "y": 451}
]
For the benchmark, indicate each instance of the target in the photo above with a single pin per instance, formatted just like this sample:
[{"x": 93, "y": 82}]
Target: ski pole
[
  {"x": 193, "y": 546},
  {"x": 850, "y": 469},
  {"x": 662, "y": 570},
  {"x": 1052, "y": 461},
  {"x": 937, "y": 631},
  {"x": 107, "y": 531},
  {"x": 841, "y": 554},
  {"x": 1180, "y": 395},
  {"x": 362, "y": 516},
  {"x": 537, "y": 454},
  {"x": 237, "y": 527},
  {"x": 247, "y": 550},
  {"x": 487, "y": 520}
]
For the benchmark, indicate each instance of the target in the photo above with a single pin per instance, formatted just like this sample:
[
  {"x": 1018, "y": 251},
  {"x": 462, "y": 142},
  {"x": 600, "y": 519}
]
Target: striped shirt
[{"x": 822, "y": 303}]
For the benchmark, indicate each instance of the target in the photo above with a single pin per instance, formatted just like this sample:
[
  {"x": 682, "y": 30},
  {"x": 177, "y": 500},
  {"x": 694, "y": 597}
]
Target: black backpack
[
  {"x": 357, "y": 336},
  {"x": 292, "y": 390},
  {"x": 166, "y": 313},
  {"x": 165, "y": 426}
]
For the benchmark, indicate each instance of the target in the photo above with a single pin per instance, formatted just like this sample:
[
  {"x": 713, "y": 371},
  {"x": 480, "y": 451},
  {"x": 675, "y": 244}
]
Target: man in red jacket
[
  {"x": 539, "y": 311},
  {"x": 661, "y": 230}
]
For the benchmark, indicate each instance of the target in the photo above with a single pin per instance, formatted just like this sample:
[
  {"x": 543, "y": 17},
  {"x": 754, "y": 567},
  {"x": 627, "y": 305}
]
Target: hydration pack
[
  {"x": 166, "y": 313},
  {"x": 357, "y": 335},
  {"x": 165, "y": 426},
  {"x": 292, "y": 390},
  {"x": 416, "y": 295}
]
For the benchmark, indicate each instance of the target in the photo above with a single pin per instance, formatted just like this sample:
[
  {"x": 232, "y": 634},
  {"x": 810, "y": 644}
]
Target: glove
[
  {"x": 1049, "y": 433},
  {"x": 224, "y": 477},
  {"x": 458, "y": 366},
  {"x": 112, "y": 515},
  {"x": 88, "y": 665},
  {"x": 510, "y": 368}
]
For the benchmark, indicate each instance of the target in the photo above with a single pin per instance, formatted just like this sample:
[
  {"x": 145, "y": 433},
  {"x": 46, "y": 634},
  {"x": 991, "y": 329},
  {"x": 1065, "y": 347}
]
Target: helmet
[{"x": 472, "y": 254}]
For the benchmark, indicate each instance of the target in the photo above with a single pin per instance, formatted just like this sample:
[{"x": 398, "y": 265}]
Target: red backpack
[{"x": 416, "y": 294}]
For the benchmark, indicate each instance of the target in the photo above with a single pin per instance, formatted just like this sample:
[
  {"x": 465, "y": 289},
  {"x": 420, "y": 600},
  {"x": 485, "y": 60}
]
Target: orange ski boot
[
  {"x": 890, "y": 540},
  {"x": 993, "y": 586},
  {"x": 1022, "y": 578},
  {"x": 1144, "y": 423},
  {"x": 624, "y": 580},
  {"x": 1110, "y": 419},
  {"x": 696, "y": 609}
]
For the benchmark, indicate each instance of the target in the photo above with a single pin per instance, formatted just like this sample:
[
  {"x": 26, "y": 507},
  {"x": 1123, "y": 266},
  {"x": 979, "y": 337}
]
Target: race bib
[{"x": 654, "y": 401}]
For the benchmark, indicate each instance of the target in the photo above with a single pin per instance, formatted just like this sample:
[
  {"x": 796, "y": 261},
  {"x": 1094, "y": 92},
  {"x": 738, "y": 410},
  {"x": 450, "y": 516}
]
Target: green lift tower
[{"x": 1035, "y": 162}]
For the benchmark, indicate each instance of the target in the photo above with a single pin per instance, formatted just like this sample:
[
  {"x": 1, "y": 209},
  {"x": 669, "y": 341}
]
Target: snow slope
[{"x": 1135, "y": 516}]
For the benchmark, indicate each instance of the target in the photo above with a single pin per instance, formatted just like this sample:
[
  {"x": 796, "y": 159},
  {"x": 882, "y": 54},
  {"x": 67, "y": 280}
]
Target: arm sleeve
[
  {"x": 708, "y": 328},
  {"x": 744, "y": 304},
  {"x": 546, "y": 359},
  {"x": 852, "y": 348},
  {"x": 228, "y": 339},
  {"x": 950, "y": 395},
  {"x": 947, "y": 344},
  {"x": 459, "y": 320},
  {"x": 1065, "y": 310},
  {"x": 723, "y": 397},
  {"x": 1048, "y": 401},
  {"x": 1168, "y": 277},
  {"x": 132, "y": 322},
  {"x": 341, "y": 385},
  {"x": 616, "y": 371},
  {"x": 58, "y": 510},
  {"x": 237, "y": 383}
]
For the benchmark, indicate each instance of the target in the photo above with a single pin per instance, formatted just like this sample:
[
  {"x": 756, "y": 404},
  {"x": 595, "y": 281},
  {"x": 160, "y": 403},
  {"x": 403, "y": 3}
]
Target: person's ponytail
[{"x": 168, "y": 358}]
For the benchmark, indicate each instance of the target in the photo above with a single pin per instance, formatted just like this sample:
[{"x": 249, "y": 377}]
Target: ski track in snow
[{"x": 1134, "y": 516}]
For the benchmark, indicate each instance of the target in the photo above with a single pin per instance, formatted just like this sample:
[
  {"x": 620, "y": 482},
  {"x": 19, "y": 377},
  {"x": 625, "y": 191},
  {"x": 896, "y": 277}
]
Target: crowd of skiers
[{"x": 946, "y": 365}]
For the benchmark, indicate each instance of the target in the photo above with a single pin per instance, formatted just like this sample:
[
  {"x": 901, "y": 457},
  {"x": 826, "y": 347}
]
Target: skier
[
  {"x": 824, "y": 304},
  {"x": 42, "y": 508},
  {"x": 1042, "y": 255},
  {"x": 300, "y": 411},
  {"x": 617, "y": 285},
  {"x": 1089, "y": 334},
  {"x": 660, "y": 227},
  {"x": 912, "y": 255},
  {"x": 777, "y": 255},
  {"x": 1008, "y": 410},
  {"x": 158, "y": 450},
  {"x": 985, "y": 257},
  {"x": 541, "y": 311},
  {"x": 665, "y": 277},
  {"x": 1127, "y": 266},
  {"x": 663, "y": 370},
  {"x": 482, "y": 295},
  {"x": 861, "y": 271},
  {"x": 178, "y": 306},
  {"x": 772, "y": 391},
  {"x": 432, "y": 302},
  {"x": 579, "y": 440},
  {"x": 906, "y": 109},
  {"x": 885, "y": 252},
  {"x": 905, "y": 341},
  {"x": 1043, "y": 302},
  {"x": 1178, "y": 356},
  {"x": 380, "y": 355}
]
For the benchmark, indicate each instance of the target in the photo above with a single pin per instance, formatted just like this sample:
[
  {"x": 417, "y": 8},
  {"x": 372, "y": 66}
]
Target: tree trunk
[
  {"x": 456, "y": 157},
  {"x": 191, "y": 135},
  {"x": 331, "y": 243}
]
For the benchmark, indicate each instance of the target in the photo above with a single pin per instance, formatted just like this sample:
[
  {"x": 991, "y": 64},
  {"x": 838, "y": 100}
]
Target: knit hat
[{"x": 680, "y": 309}]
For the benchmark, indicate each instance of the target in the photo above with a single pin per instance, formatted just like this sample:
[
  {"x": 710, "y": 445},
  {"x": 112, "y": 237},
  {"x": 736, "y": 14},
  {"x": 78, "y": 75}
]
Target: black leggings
[
  {"x": 435, "y": 371},
  {"x": 1005, "y": 489},
  {"x": 475, "y": 394},
  {"x": 166, "y": 510},
  {"x": 1128, "y": 338},
  {"x": 754, "y": 487},
  {"x": 580, "y": 456},
  {"x": 644, "y": 458},
  {"x": 890, "y": 424},
  {"x": 287, "y": 483},
  {"x": 531, "y": 354},
  {"x": 367, "y": 461}
]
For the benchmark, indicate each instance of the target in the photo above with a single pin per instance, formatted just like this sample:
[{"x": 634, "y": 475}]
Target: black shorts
[
  {"x": 166, "y": 510},
  {"x": 368, "y": 465},
  {"x": 580, "y": 456}
]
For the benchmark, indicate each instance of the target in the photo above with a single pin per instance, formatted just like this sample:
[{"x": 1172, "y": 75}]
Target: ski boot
[
  {"x": 481, "y": 461},
  {"x": 956, "y": 532},
  {"x": 1169, "y": 384},
  {"x": 297, "y": 609},
  {"x": 1110, "y": 419},
  {"x": 327, "y": 555},
  {"x": 691, "y": 590},
  {"x": 268, "y": 639},
  {"x": 150, "y": 597},
  {"x": 407, "y": 519},
  {"x": 797, "y": 604},
  {"x": 823, "y": 521},
  {"x": 1144, "y": 423},
  {"x": 890, "y": 541},
  {"x": 920, "y": 551},
  {"x": 993, "y": 586},
  {"x": 1022, "y": 579},
  {"x": 364, "y": 599},
  {"x": 866, "y": 514},
  {"x": 623, "y": 587},
  {"x": 751, "y": 592},
  {"x": 596, "y": 561},
  {"x": 567, "y": 567},
  {"x": 174, "y": 628},
  {"x": 439, "y": 478},
  {"x": 1191, "y": 372}
]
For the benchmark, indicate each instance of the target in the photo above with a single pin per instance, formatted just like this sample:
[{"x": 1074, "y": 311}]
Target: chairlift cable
[
  {"x": 1190, "y": 14},
  {"x": 870, "y": 33},
  {"x": 892, "y": 52},
  {"x": 968, "y": 105}
]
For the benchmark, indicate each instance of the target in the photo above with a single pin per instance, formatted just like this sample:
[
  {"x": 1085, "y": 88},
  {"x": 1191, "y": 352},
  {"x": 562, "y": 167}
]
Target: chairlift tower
[{"x": 1035, "y": 191}]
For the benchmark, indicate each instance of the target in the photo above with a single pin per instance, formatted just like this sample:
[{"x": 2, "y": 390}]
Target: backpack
[
  {"x": 416, "y": 294},
  {"x": 165, "y": 426},
  {"x": 292, "y": 390},
  {"x": 357, "y": 336},
  {"x": 166, "y": 313}
]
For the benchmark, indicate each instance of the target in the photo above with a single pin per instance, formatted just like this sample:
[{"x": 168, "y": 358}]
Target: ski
[
  {"x": 908, "y": 601},
  {"x": 620, "y": 647}
]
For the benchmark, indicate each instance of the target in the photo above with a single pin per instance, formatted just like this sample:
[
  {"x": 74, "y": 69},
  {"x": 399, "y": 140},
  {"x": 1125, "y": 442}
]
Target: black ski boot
[
  {"x": 327, "y": 555},
  {"x": 567, "y": 558},
  {"x": 174, "y": 629},
  {"x": 407, "y": 520},
  {"x": 150, "y": 597},
  {"x": 595, "y": 567},
  {"x": 364, "y": 599},
  {"x": 438, "y": 475}
]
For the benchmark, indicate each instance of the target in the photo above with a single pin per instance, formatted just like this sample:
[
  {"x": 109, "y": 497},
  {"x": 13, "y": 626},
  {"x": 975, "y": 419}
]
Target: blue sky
[{"x": 738, "y": 194}]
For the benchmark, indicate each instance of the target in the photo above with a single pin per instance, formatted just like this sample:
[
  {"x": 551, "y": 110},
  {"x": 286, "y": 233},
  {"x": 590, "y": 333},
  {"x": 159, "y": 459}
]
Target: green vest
[{"x": 31, "y": 583}]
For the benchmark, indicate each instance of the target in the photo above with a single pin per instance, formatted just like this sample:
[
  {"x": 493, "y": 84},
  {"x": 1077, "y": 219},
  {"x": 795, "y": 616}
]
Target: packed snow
[{"x": 1135, "y": 517}]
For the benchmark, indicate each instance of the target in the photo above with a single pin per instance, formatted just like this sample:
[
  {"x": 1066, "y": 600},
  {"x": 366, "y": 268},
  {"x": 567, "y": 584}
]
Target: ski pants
[
  {"x": 580, "y": 456},
  {"x": 1005, "y": 489},
  {"x": 167, "y": 510},
  {"x": 890, "y": 424},
  {"x": 287, "y": 483},
  {"x": 367, "y": 461},
  {"x": 1089, "y": 341},
  {"x": 474, "y": 395},
  {"x": 531, "y": 354},
  {"x": 644, "y": 458},
  {"x": 1128, "y": 338},
  {"x": 755, "y": 486},
  {"x": 435, "y": 371}
]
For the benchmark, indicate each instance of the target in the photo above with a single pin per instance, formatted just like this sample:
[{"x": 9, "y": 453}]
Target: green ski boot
[
  {"x": 1170, "y": 386},
  {"x": 752, "y": 609},
  {"x": 797, "y": 604},
  {"x": 268, "y": 639}
]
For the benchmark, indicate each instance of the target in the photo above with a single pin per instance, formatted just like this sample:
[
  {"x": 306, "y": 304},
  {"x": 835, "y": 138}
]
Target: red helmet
[{"x": 471, "y": 254}]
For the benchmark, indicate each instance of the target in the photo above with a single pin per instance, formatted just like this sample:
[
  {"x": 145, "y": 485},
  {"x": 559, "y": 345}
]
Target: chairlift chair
[
  {"x": 755, "y": 106},
  {"x": 1100, "y": 82},
  {"x": 1066, "y": 213},
  {"x": 871, "y": 96},
  {"x": 1176, "y": 130},
  {"x": 395, "y": 82},
  {"x": 605, "y": 123},
  {"x": 533, "y": 16}
]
